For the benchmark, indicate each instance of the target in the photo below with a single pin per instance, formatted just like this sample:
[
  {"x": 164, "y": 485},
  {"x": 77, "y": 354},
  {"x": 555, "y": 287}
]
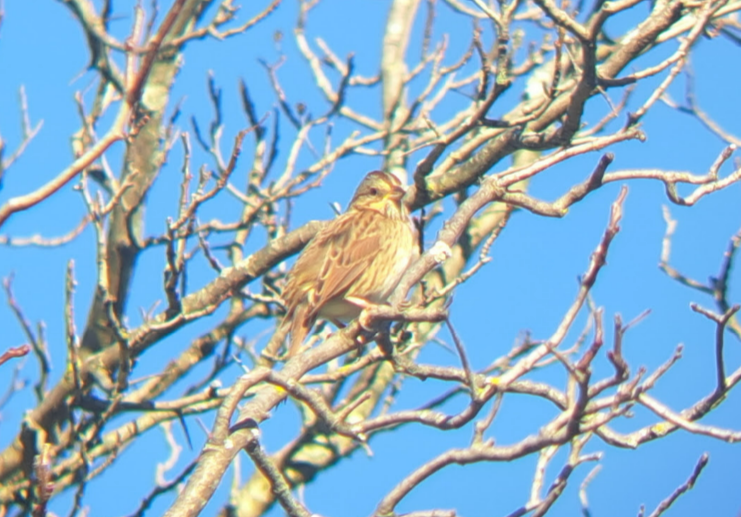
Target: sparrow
[{"x": 354, "y": 261}]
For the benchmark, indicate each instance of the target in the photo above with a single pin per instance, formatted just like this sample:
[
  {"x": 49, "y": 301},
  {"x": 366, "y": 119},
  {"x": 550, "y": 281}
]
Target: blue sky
[{"x": 533, "y": 273}]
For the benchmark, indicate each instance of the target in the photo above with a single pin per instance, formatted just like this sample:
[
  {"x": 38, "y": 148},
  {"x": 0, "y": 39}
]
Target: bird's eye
[{"x": 373, "y": 191}]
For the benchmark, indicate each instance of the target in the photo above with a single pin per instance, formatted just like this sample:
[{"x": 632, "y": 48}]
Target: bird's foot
[{"x": 403, "y": 305}]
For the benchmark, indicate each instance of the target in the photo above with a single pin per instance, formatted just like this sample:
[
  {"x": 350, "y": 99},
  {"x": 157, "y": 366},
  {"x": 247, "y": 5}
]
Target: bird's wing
[
  {"x": 336, "y": 258},
  {"x": 350, "y": 256}
]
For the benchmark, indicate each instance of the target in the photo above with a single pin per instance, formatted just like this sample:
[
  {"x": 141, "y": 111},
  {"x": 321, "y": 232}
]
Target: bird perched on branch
[{"x": 354, "y": 261}]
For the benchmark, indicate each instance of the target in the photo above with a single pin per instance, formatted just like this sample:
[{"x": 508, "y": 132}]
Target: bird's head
[{"x": 381, "y": 192}]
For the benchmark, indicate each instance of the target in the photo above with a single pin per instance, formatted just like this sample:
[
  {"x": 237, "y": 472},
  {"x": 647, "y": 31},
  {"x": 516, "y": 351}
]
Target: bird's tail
[
  {"x": 295, "y": 326},
  {"x": 301, "y": 323}
]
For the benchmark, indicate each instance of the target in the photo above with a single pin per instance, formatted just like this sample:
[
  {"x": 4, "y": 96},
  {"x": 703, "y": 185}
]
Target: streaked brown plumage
[{"x": 358, "y": 258}]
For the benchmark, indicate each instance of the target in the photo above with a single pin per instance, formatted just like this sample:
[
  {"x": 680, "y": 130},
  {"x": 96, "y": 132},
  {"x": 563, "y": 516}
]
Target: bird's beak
[{"x": 397, "y": 193}]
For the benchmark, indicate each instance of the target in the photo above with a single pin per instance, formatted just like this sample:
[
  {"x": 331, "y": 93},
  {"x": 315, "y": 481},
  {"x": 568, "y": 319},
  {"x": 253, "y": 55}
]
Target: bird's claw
[
  {"x": 365, "y": 322},
  {"x": 403, "y": 305}
]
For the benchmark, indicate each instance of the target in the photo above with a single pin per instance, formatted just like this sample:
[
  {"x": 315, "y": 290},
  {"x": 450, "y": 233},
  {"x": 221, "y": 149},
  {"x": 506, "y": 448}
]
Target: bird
[{"x": 355, "y": 261}]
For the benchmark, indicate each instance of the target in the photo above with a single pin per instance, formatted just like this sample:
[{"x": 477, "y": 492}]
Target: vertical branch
[
  {"x": 393, "y": 74},
  {"x": 142, "y": 161}
]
